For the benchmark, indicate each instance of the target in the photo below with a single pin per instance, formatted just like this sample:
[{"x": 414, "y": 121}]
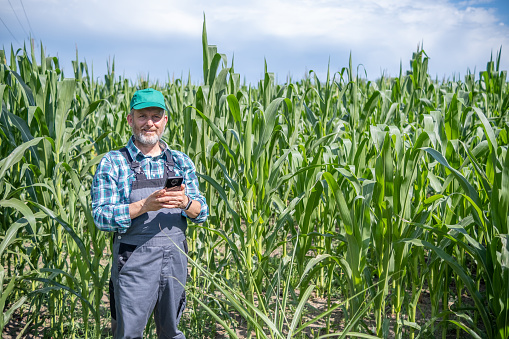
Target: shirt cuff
[
  {"x": 122, "y": 217},
  {"x": 202, "y": 216}
]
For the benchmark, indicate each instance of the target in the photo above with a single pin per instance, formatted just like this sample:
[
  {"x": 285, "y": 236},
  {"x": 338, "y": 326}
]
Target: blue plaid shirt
[{"x": 113, "y": 180}]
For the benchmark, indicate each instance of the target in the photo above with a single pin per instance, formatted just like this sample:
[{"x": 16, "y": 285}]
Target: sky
[{"x": 161, "y": 39}]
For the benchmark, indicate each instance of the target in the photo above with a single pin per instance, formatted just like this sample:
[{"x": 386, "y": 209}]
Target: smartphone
[{"x": 172, "y": 182}]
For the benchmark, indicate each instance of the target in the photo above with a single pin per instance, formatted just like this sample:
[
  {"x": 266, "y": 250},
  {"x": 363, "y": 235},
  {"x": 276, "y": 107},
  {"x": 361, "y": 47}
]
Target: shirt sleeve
[
  {"x": 192, "y": 189},
  {"x": 110, "y": 213}
]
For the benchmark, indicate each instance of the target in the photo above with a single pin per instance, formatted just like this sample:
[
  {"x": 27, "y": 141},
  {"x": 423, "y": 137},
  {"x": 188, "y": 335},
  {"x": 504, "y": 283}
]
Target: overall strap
[
  {"x": 135, "y": 165},
  {"x": 169, "y": 164}
]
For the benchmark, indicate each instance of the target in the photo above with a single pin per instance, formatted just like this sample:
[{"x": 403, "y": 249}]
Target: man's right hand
[
  {"x": 153, "y": 202},
  {"x": 164, "y": 198}
]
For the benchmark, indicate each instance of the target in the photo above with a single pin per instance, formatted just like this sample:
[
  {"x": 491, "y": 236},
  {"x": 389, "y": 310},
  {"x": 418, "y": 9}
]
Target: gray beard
[{"x": 149, "y": 141}]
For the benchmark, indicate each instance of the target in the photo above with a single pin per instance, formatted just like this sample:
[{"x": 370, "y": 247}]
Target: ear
[{"x": 130, "y": 119}]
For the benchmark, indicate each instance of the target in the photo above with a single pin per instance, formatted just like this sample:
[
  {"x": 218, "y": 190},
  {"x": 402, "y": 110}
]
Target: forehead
[{"x": 149, "y": 110}]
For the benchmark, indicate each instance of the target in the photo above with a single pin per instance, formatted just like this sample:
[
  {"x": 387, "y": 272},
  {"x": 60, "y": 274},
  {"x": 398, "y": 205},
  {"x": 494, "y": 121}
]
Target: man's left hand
[{"x": 176, "y": 196}]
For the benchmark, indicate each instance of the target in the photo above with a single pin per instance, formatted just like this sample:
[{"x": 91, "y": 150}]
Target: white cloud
[
  {"x": 120, "y": 17},
  {"x": 475, "y": 2},
  {"x": 380, "y": 33}
]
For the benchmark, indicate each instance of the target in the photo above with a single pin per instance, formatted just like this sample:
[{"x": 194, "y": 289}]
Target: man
[{"x": 129, "y": 198}]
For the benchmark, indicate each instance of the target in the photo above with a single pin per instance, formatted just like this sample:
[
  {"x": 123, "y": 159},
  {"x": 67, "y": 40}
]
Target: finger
[
  {"x": 159, "y": 192},
  {"x": 171, "y": 204},
  {"x": 178, "y": 200},
  {"x": 176, "y": 194},
  {"x": 164, "y": 199},
  {"x": 174, "y": 191}
]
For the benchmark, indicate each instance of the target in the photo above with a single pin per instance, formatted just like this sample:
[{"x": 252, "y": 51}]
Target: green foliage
[{"x": 368, "y": 194}]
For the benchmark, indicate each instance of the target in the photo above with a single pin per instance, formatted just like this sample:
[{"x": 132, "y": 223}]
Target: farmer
[{"x": 129, "y": 198}]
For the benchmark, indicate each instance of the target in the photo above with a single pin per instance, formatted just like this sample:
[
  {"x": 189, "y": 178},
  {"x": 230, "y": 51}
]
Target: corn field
[{"x": 386, "y": 200}]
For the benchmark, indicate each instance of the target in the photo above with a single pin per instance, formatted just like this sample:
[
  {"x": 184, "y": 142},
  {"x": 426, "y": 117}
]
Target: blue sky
[{"x": 162, "y": 38}]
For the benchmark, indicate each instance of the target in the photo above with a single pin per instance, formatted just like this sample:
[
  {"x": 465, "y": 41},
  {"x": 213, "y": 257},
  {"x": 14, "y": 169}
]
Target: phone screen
[{"x": 172, "y": 182}]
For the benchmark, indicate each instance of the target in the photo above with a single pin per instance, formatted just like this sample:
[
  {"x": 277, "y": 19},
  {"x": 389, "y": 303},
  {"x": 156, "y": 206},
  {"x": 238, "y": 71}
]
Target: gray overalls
[{"x": 149, "y": 265}]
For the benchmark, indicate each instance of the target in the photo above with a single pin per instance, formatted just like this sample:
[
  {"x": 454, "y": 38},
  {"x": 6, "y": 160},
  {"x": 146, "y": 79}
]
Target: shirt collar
[{"x": 137, "y": 154}]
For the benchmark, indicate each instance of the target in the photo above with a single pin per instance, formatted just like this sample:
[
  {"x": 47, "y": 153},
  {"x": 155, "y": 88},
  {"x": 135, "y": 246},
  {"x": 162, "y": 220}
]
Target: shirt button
[{"x": 119, "y": 237}]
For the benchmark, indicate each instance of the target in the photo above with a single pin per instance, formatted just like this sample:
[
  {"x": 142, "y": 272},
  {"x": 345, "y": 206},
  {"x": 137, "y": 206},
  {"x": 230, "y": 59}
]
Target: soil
[
  {"x": 17, "y": 326},
  {"x": 316, "y": 306}
]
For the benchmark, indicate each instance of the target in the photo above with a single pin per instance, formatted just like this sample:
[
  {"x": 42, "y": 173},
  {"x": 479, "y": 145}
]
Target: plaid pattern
[{"x": 113, "y": 181}]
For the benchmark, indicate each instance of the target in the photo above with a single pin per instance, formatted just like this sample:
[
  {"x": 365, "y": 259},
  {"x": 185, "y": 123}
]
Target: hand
[
  {"x": 176, "y": 197},
  {"x": 164, "y": 198}
]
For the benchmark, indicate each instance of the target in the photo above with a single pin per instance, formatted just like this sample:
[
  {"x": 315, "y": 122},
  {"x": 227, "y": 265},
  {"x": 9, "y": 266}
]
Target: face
[{"x": 147, "y": 124}]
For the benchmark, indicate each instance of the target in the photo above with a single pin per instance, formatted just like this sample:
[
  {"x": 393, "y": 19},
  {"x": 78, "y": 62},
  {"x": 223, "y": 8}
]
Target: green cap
[{"x": 147, "y": 98}]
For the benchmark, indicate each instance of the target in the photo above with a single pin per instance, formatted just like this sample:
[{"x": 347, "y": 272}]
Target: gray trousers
[{"x": 152, "y": 278}]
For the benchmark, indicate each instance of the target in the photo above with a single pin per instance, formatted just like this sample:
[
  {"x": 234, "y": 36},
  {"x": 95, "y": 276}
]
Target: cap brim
[{"x": 148, "y": 104}]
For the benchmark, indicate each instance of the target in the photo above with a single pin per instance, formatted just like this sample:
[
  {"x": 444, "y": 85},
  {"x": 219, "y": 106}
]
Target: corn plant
[{"x": 371, "y": 194}]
